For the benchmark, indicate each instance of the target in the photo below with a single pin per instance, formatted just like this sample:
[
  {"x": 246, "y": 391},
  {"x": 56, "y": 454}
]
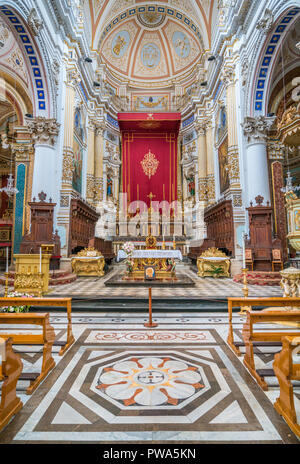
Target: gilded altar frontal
[{"x": 149, "y": 226}]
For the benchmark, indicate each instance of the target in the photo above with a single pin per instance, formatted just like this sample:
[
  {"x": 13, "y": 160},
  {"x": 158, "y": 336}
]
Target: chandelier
[{"x": 10, "y": 190}]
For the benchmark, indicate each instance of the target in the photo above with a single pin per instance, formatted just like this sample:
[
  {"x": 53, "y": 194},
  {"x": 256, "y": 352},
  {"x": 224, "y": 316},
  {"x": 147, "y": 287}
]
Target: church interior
[{"x": 149, "y": 222}]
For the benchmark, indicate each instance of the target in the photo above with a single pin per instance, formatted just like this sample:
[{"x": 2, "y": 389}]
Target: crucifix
[
  {"x": 151, "y": 196},
  {"x": 150, "y": 210}
]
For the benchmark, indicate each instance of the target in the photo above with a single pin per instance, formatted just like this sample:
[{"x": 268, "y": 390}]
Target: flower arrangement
[
  {"x": 129, "y": 248},
  {"x": 16, "y": 309}
]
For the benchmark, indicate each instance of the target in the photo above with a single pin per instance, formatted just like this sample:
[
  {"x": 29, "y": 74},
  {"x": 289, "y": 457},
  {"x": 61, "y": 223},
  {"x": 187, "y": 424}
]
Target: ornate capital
[
  {"x": 256, "y": 129},
  {"x": 266, "y": 23},
  {"x": 100, "y": 131},
  {"x": 201, "y": 129},
  {"x": 73, "y": 77},
  {"x": 43, "y": 130},
  {"x": 34, "y": 22},
  {"x": 228, "y": 74}
]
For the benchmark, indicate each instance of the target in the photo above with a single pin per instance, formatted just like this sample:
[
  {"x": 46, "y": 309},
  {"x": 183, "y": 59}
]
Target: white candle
[
  {"x": 6, "y": 259},
  {"x": 40, "y": 259}
]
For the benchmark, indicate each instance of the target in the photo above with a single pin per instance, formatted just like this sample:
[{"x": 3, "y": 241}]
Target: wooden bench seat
[
  {"x": 250, "y": 335},
  {"x": 248, "y": 304},
  {"x": 52, "y": 303},
  {"x": 287, "y": 371},
  {"x": 10, "y": 370},
  {"x": 46, "y": 338}
]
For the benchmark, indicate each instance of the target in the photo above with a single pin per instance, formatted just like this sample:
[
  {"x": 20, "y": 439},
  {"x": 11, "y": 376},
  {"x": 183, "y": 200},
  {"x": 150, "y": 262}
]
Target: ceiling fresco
[{"x": 151, "y": 46}]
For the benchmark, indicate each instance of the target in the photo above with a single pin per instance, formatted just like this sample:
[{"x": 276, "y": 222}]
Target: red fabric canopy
[{"x": 149, "y": 155}]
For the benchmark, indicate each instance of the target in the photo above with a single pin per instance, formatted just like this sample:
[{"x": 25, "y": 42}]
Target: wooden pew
[
  {"x": 251, "y": 335},
  {"x": 249, "y": 303},
  {"x": 52, "y": 303},
  {"x": 286, "y": 371},
  {"x": 10, "y": 370},
  {"x": 46, "y": 339}
]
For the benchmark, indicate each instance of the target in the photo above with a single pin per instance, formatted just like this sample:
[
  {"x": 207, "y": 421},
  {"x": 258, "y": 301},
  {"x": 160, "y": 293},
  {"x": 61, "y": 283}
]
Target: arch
[
  {"x": 13, "y": 90},
  {"x": 264, "y": 66},
  {"x": 41, "y": 102}
]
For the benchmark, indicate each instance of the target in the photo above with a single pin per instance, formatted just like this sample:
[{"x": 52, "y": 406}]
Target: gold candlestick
[
  {"x": 40, "y": 283},
  {"x": 6, "y": 285}
]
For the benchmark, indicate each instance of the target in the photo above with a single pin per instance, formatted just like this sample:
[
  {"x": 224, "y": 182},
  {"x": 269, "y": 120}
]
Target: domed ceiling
[
  {"x": 158, "y": 42},
  {"x": 151, "y": 46}
]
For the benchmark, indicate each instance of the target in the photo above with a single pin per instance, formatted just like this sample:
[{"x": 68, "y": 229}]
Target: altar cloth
[{"x": 157, "y": 254}]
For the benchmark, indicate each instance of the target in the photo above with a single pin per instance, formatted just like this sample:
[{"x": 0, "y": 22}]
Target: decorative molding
[
  {"x": 43, "y": 130},
  {"x": 237, "y": 201},
  {"x": 68, "y": 166},
  {"x": 22, "y": 151},
  {"x": 211, "y": 188},
  {"x": 276, "y": 150},
  {"x": 64, "y": 201},
  {"x": 90, "y": 187},
  {"x": 266, "y": 23},
  {"x": 34, "y": 22},
  {"x": 245, "y": 72},
  {"x": 256, "y": 128},
  {"x": 203, "y": 189},
  {"x": 233, "y": 165},
  {"x": 98, "y": 190},
  {"x": 228, "y": 74}
]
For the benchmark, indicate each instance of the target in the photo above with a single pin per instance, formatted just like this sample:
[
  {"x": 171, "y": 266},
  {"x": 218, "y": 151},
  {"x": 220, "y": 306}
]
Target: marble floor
[
  {"x": 122, "y": 383},
  {"x": 204, "y": 287}
]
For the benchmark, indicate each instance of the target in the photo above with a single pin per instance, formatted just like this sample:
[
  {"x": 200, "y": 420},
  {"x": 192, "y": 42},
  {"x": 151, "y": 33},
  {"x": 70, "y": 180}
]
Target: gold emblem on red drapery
[{"x": 149, "y": 164}]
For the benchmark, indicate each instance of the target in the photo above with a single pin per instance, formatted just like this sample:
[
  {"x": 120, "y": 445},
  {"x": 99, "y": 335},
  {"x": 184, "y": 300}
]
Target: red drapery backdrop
[{"x": 149, "y": 156}]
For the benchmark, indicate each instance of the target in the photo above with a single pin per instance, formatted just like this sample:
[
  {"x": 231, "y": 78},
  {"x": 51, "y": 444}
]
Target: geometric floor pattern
[
  {"x": 204, "y": 287},
  {"x": 122, "y": 383}
]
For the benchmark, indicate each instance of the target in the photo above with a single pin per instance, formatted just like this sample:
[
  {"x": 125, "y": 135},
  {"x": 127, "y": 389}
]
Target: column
[
  {"x": 228, "y": 77},
  {"x": 257, "y": 175},
  {"x": 202, "y": 163},
  {"x": 23, "y": 152},
  {"x": 211, "y": 189},
  {"x": 99, "y": 188},
  {"x": 63, "y": 219},
  {"x": 90, "y": 175},
  {"x": 68, "y": 153},
  {"x": 44, "y": 133}
]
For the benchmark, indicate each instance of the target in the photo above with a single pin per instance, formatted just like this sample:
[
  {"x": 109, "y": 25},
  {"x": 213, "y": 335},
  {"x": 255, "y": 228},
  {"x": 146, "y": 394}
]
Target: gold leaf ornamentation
[{"x": 150, "y": 164}]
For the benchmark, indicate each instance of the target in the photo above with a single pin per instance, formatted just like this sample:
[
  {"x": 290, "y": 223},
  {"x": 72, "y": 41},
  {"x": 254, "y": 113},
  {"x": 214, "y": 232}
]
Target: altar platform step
[
  {"x": 57, "y": 277},
  {"x": 131, "y": 304}
]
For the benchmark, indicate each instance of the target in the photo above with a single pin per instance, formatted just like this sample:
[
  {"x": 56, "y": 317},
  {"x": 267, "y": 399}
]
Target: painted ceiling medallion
[
  {"x": 151, "y": 19},
  {"x": 150, "y": 55},
  {"x": 149, "y": 381},
  {"x": 181, "y": 44},
  {"x": 149, "y": 164},
  {"x": 120, "y": 44}
]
